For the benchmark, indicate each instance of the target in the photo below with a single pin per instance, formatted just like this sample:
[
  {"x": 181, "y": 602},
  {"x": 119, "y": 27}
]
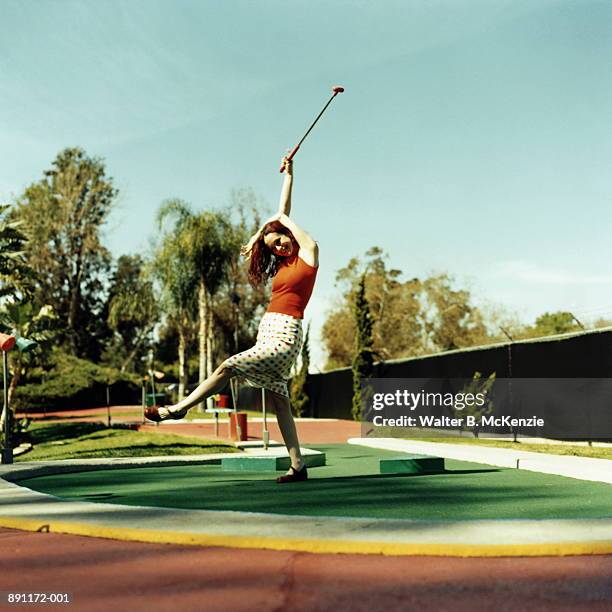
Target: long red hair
[{"x": 263, "y": 263}]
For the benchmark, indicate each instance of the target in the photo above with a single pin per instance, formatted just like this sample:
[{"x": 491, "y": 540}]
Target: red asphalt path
[
  {"x": 113, "y": 575},
  {"x": 309, "y": 432}
]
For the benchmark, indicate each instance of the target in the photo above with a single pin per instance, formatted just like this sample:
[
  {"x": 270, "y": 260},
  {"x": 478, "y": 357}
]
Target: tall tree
[
  {"x": 238, "y": 305},
  {"x": 64, "y": 213},
  {"x": 178, "y": 282},
  {"x": 132, "y": 308},
  {"x": 363, "y": 360},
  {"x": 449, "y": 318},
  {"x": 551, "y": 323},
  {"x": 394, "y": 304},
  {"x": 338, "y": 334},
  {"x": 409, "y": 318},
  {"x": 234, "y": 307},
  {"x": 202, "y": 239}
]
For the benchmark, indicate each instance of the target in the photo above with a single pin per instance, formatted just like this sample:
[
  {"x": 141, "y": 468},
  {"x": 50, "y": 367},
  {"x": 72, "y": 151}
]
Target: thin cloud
[{"x": 532, "y": 273}]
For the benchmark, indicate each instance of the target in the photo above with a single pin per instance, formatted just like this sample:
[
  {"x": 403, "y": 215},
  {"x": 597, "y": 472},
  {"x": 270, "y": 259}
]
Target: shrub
[{"x": 71, "y": 382}]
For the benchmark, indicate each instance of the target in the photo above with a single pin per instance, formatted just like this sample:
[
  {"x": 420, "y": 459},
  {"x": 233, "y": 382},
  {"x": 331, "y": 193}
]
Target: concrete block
[
  {"x": 412, "y": 464},
  {"x": 250, "y": 463}
]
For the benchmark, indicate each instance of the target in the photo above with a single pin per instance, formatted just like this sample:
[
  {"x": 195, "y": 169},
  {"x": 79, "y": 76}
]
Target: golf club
[{"x": 336, "y": 90}]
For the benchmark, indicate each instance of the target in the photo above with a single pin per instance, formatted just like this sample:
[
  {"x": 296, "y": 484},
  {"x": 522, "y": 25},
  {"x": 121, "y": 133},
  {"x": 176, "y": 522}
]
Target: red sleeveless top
[{"x": 292, "y": 287}]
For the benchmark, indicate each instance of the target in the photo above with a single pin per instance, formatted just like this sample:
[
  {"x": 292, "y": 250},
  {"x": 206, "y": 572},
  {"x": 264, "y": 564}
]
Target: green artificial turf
[{"x": 349, "y": 485}]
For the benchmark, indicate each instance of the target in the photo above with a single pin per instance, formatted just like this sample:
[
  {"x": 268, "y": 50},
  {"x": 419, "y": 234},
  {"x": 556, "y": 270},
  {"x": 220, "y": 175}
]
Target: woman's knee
[{"x": 225, "y": 371}]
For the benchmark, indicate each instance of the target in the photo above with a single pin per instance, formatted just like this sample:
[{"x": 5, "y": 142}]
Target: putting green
[{"x": 348, "y": 486}]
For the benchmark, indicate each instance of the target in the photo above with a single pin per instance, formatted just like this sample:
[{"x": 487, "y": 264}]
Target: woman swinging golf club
[{"x": 286, "y": 253}]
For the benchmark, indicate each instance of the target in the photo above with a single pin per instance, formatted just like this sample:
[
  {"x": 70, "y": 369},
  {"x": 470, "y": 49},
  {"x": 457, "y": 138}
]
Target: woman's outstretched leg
[
  {"x": 215, "y": 383},
  {"x": 212, "y": 385},
  {"x": 286, "y": 424}
]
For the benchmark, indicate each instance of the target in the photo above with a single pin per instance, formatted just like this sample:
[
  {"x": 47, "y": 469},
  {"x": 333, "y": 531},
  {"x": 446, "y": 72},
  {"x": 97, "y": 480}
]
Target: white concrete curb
[{"x": 582, "y": 468}]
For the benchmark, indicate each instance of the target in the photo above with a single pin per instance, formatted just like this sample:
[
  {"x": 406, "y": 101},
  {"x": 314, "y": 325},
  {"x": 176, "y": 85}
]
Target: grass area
[
  {"x": 54, "y": 441},
  {"x": 596, "y": 452},
  {"x": 134, "y": 415}
]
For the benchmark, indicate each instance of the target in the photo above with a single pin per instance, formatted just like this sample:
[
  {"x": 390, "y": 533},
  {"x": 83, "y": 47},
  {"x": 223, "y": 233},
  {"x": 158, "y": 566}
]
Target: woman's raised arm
[{"x": 284, "y": 205}]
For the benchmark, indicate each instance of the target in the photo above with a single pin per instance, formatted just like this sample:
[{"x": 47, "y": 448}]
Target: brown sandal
[
  {"x": 152, "y": 413},
  {"x": 295, "y": 476}
]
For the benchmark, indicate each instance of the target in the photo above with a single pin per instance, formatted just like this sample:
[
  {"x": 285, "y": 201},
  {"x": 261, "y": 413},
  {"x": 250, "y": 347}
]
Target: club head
[
  {"x": 337, "y": 89},
  {"x": 6, "y": 342}
]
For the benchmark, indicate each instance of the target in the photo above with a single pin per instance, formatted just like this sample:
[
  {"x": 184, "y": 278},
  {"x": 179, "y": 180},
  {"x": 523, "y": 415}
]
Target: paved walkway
[
  {"x": 104, "y": 575},
  {"x": 583, "y": 468},
  {"x": 311, "y": 431}
]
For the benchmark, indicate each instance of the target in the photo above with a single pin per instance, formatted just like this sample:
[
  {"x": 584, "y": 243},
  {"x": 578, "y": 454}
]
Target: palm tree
[
  {"x": 133, "y": 310},
  {"x": 201, "y": 238},
  {"x": 15, "y": 273},
  {"x": 178, "y": 296}
]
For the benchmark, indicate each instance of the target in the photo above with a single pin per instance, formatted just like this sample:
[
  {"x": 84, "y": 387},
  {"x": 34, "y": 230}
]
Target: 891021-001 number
[{"x": 17, "y": 597}]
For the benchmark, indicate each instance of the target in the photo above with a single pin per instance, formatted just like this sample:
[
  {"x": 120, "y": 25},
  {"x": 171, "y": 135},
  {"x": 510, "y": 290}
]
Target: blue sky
[{"x": 474, "y": 137}]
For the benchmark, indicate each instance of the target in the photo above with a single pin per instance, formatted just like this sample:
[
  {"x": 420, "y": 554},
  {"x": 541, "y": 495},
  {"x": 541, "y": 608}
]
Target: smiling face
[{"x": 280, "y": 244}]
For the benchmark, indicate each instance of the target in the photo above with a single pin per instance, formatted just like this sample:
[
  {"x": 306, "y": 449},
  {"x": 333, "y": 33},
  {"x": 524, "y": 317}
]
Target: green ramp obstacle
[
  {"x": 412, "y": 464},
  {"x": 269, "y": 464}
]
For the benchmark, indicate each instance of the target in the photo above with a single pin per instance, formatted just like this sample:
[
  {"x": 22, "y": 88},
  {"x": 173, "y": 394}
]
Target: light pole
[
  {"x": 24, "y": 345},
  {"x": 6, "y": 344}
]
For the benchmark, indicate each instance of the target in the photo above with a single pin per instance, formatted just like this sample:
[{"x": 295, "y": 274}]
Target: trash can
[
  {"x": 224, "y": 401},
  {"x": 157, "y": 399},
  {"x": 238, "y": 426}
]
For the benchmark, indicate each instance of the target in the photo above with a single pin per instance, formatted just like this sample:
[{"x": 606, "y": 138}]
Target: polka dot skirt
[{"x": 268, "y": 364}]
